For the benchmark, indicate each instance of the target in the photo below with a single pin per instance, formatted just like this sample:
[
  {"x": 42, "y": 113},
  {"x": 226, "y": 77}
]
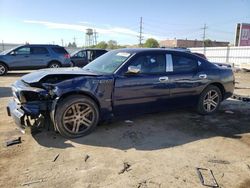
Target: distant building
[
  {"x": 184, "y": 43},
  {"x": 242, "y": 34}
]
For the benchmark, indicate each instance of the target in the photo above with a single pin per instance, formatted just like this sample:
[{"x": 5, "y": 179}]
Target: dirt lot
[{"x": 163, "y": 149}]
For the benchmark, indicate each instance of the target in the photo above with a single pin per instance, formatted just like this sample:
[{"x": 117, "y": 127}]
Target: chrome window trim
[{"x": 169, "y": 63}]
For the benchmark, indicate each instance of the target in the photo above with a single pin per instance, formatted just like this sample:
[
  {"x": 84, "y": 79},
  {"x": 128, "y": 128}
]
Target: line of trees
[{"x": 112, "y": 44}]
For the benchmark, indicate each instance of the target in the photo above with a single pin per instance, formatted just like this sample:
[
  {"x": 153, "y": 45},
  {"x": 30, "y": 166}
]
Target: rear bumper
[
  {"x": 67, "y": 63},
  {"x": 14, "y": 110}
]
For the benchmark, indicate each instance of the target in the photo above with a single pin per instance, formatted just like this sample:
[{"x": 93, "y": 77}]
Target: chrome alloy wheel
[
  {"x": 54, "y": 65},
  {"x": 211, "y": 101},
  {"x": 78, "y": 118}
]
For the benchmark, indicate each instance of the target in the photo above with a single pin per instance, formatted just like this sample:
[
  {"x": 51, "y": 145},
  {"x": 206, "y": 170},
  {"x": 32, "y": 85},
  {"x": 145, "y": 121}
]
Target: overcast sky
[{"x": 48, "y": 21}]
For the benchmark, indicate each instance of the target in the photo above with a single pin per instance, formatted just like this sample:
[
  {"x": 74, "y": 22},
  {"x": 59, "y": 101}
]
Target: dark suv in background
[
  {"x": 30, "y": 57},
  {"x": 80, "y": 58}
]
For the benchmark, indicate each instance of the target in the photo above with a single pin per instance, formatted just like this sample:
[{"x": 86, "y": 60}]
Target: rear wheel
[
  {"x": 76, "y": 116},
  {"x": 3, "y": 69},
  {"x": 209, "y": 100},
  {"x": 54, "y": 65}
]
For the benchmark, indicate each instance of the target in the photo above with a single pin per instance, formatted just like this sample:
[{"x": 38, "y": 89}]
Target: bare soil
[{"x": 156, "y": 150}]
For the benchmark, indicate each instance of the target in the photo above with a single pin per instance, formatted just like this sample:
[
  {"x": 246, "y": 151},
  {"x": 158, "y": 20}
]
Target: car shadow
[
  {"x": 160, "y": 130},
  {"x": 17, "y": 73},
  {"x": 5, "y": 92}
]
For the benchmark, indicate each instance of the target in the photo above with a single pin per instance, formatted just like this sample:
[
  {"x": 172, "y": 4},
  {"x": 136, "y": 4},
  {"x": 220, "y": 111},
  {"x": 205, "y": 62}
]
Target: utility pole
[
  {"x": 140, "y": 34},
  {"x": 204, "y": 34},
  {"x": 204, "y": 37},
  {"x": 95, "y": 37},
  {"x": 62, "y": 41},
  {"x": 3, "y": 45}
]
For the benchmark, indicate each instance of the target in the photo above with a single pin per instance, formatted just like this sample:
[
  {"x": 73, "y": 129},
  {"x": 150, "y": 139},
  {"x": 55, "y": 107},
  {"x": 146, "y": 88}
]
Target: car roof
[
  {"x": 137, "y": 50},
  {"x": 91, "y": 49},
  {"x": 43, "y": 45}
]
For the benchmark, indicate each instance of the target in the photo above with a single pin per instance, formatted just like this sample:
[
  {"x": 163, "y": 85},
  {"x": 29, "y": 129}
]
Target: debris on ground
[
  {"x": 142, "y": 184},
  {"x": 56, "y": 157},
  {"x": 128, "y": 121},
  {"x": 126, "y": 167},
  {"x": 206, "y": 177},
  {"x": 248, "y": 166},
  {"x": 146, "y": 183},
  {"x": 13, "y": 141},
  {"x": 86, "y": 158},
  {"x": 32, "y": 182},
  {"x": 229, "y": 112},
  {"x": 241, "y": 98},
  {"x": 218, "y": 161}
]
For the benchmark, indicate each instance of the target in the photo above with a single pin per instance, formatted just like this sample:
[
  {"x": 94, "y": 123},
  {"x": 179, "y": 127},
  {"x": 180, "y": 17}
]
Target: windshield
[
  {"x": 7, "y": 51},
  {"x": 108, "y": 63},
  {"x": 74, "y": 53}
]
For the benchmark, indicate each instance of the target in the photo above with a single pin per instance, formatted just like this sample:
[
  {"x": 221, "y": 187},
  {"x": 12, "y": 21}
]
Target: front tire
[
  {"x": 3, "y": 69},
  {"x": 209, "y": 100},
  {"x": 76, "y": 116}
]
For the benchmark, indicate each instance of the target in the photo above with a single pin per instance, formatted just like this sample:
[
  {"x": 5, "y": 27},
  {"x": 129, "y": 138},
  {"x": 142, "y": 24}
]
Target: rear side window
[
  {"x": 182, "y": 64},
  {"x": 59, "y": 50},
  {"x": 39, "y": 50},
  {"x": 100, "y": 52}
]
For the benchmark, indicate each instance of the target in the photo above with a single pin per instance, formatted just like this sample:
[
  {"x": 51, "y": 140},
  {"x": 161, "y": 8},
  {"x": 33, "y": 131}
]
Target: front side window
[
  {"x": 108, "y": 63},
  {"x": 150, "y": 64},
  {"x": 22, "y": 51},
  {"x": 183, "y": 64},
  {"x": 81, "y": 54}
]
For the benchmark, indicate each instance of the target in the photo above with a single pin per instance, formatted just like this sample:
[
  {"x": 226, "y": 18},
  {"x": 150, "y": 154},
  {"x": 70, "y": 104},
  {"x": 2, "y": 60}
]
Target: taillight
[{"x": 67, "y": 56}]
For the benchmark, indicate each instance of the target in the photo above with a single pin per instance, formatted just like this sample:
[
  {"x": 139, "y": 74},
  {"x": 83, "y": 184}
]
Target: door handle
[
  {"x": 163, "y": 79},
  {"x": 203, "y": 76},
  {"x": 26, "y": 56}
]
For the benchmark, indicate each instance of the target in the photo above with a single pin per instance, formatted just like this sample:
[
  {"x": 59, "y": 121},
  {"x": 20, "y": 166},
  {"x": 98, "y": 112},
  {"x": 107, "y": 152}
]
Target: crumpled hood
[{"x": 36, "y": 76}]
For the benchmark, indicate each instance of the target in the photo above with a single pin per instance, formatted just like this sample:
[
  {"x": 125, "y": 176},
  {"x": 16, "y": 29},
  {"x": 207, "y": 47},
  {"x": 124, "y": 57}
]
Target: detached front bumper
[{"x": 14, "y": 110}]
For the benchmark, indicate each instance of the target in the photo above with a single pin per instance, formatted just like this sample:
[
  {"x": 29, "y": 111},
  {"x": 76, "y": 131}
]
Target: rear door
[
  {"x": 144, "y": 92},
  {"x": 184, "y": 80},
  {"x": 39, "y": 57}
]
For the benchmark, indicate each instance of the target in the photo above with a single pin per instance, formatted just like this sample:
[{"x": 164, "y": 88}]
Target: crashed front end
[{"x": 29, "y": 104}]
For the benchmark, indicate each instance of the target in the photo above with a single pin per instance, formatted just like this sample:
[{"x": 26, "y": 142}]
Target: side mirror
[
  {"x": 13, "y": 53},
  {"x": 133, "y": 70}
]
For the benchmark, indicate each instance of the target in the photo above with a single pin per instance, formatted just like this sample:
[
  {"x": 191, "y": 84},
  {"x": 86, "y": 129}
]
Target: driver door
[
  {"x": 20, "y": 58},
  {"x": 146, "y": 91},
  {"x": 80, "y": 59}
]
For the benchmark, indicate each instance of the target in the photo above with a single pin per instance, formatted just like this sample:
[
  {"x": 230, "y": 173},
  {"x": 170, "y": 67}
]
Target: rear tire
[
  {"x": 3, "y": 69},
  {"x": 76, "y": 116},
  {"x": 209, "y": 100},
  {"x": 54, "y": 65}
]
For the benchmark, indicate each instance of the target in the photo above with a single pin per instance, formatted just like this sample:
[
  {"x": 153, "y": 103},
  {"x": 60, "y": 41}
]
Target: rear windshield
[{"x": 59, "y": 50}]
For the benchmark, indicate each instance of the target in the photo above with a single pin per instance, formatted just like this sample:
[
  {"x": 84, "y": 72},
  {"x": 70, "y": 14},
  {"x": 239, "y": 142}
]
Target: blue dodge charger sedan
[{"x": 120, "y": 83}]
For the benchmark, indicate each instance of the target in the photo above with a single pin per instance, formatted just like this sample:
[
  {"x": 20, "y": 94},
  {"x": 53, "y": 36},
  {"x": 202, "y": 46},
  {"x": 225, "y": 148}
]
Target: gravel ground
[{"x": 156, "y": 150}]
